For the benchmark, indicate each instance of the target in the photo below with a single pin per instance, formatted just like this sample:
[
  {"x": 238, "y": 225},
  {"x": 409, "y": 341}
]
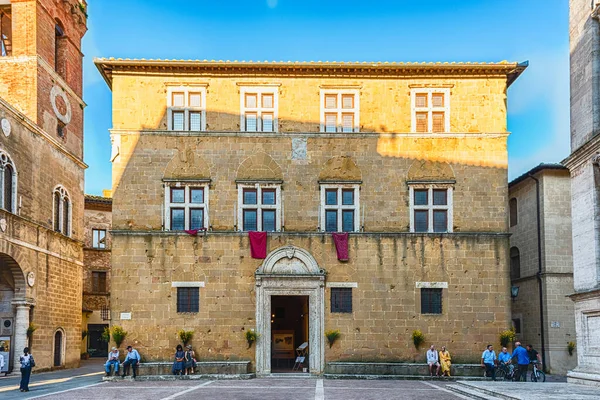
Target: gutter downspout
[{"x": 539, "y": 273}]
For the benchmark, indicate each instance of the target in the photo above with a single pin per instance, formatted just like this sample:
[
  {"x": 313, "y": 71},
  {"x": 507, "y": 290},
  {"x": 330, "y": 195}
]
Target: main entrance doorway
[
  {"x": 289, "y": 331},
  {"x": 289, "y": 294},
  {"x": 97, "y": 347}
]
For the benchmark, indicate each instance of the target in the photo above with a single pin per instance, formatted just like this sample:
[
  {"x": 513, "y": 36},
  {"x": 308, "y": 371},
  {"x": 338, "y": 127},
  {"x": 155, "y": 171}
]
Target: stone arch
[
  {"x": 187, "y": 164},
  {"x": 259, "y": 166},
  {"x": 425, "y": 170},
  {"x": 341, "y": 168},
  {"x": 12, "y": 273},
  {"x": 290, "y": 260}
]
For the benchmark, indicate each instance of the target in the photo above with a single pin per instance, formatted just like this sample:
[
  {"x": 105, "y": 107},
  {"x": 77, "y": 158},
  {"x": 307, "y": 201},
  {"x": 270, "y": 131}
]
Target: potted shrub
[
  {"x": 118, "y": 335},
  {"x": 507, "y": 336},
  {"x": 185, "y": 336},
  {"x": 332, "y": 336},
  {"x": 418, "y": 338},
  {"x": 30, "y": 329},
  {"x": 571, "y": 347},
  {"x": 251, "y": 337}
]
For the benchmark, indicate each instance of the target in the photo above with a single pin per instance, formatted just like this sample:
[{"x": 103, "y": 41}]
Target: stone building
[
  {"x": 584, "y": 164},
  {"x": 96, "y": 272},
  {"x": 549, "y": 277},
  {"x": 409, "y": 158},
  {"x": 41, "y": 179}
]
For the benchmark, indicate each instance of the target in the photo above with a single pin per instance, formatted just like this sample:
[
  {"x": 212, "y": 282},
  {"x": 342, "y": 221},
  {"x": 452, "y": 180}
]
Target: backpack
[{"x": 31, "y": 361}]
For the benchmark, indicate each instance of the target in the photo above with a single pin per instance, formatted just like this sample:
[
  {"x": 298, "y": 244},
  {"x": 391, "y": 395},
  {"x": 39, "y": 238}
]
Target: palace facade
[{"x": 409, "y": 159}]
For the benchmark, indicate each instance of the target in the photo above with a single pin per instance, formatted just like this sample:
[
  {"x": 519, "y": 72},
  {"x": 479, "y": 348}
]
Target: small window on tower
[{"x": 61, "y": 129}]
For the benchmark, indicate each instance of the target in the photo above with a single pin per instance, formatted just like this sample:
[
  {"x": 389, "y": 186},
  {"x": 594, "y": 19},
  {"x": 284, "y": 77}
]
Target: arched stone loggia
[{"x": 290, "y": 271}]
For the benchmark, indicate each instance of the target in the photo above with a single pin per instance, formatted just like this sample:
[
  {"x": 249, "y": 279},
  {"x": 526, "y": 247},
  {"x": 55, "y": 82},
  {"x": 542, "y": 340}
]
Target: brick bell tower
[{"x": 41, "y": 65}]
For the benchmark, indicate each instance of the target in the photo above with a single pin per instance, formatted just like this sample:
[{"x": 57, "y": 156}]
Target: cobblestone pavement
[{"x": 262, "y": 389}]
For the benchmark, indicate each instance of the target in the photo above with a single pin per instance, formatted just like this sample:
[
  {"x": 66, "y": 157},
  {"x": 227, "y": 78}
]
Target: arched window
[
  {"x": 515, "y": 263},
  {"x": 62, "y": 210},
  {"x": 8, "y": 182},
  {"x": 59, "y": 49},
  {"x": 512, "y": 205}
]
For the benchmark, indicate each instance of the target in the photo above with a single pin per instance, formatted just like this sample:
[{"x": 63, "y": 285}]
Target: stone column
[{"x": 20, "y": 334}]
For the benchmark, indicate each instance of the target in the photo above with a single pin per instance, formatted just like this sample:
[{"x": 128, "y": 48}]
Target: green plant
[
  {"x": 30, "y": 329},
  {"x": 118, "y": 335},
  {"x": 418, "y": 338},
  {"x": 251, "y": 337},
  {"x": 83, "y": 10},
  {"x": 332, "y": 336},
  {"x": 84, "y": 334},
  {"x": 105, "y": 336},
  {"x": 507, "y": 336},
  {"x": 571, "y": 347},
  {"x": 185, "y": 336}
]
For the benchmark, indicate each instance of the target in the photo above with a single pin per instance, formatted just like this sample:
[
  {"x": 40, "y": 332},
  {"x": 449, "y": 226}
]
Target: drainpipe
[{"x": 539, "y": 273}]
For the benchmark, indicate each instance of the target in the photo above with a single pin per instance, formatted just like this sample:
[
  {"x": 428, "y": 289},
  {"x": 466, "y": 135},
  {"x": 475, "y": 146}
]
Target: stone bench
[
  {"x": 340, "y": 368},
  {"x": 203, "y": 368}
]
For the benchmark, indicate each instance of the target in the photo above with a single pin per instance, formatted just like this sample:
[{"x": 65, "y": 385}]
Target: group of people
[
  {"x": 441, "y": 362},
  {"x": 132, "y": 358},
  {"x": 185, "y": 361},
  {"x": 520, "y": 356}
]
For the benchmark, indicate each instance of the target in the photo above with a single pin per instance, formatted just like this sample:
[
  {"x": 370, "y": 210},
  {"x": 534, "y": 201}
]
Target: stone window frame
[
  {"x": 6, "y": 160},
  {"x": 339, "y": 110},
  {"x": 259, "y": 110},
  {"x": 515, "y": 262},
  {"x": 347, "y": 287},
  {"x": 186, "y": 285},
  {"x": 59, "y": 210},
  {"x": 259, "y": 187},
  {"x": 187, "y": 205},
  {"x": 430, "y": 109},
  {"x": 323, "y": 208},
  {"x": 517, "y": 317},
  {"x": 101, "y": 244},
  {"x": 186, "y": 108},
  {"x": 441, "y": 286},
  {"x": 430, "y": 186}
]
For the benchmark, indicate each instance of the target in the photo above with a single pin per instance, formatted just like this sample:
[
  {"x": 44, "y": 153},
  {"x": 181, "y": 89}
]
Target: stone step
[
  {"x": 477, "y": 392},
  {"x": 404, "y": 377},
  {"x": 180, "y": 377}
]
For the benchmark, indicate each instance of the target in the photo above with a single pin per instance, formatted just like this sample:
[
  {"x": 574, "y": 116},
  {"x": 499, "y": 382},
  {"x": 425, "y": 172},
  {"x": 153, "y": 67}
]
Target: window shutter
[
  {"x": 421, "y": 100},
  {"x": 195, "y": 100},
  {"x": 330, "y": 122},
  {"x": 251, "y": 122},
  {"x": 250, "y": 100},
  {"x": 267, "y": 122},
  {"x": 347, "y": 122},
  {"x": 438, "y": 122},
  {"x": 267, "y": 101},
  {"x": 347, "y": 101},
  {"x": 178, "y": 99},
  {"x": 421, "y": 122},
  {"x": 437, "y": 99},
  {"x": 331, "y": 101}
]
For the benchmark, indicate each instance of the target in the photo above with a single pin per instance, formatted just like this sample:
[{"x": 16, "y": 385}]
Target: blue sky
[{"x": 348, "y": 30}]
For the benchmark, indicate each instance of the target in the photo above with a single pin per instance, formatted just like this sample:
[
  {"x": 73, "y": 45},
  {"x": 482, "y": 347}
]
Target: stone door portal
[{"x": 290, "y": 271}]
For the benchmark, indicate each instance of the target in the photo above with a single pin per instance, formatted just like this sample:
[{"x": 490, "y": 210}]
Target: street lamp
[{"x": 514, "y": 292}]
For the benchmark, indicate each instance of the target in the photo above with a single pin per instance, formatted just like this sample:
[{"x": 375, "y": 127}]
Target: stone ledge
[
  {"x": 179, "y": 378},
  {"x": 203, "y": 368},
  {"x": 406, "y": 377},
  {"x": 397, "y": 369},
  {"x": 583, "y": 378}
]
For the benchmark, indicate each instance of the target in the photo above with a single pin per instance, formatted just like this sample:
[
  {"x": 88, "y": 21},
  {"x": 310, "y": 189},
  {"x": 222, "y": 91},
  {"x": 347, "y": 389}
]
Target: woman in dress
[
  {"x": 445, "y": 361},
  {"x": 27, "y": 363},
  {"x": 178, "y": 365},
  {"x": 190, "y": 360}
]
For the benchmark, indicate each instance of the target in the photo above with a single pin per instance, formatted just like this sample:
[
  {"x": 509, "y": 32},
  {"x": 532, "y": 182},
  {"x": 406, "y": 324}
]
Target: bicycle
[
  {"x": 537, "y": 375},
  {"x": 505, "y": 372}
]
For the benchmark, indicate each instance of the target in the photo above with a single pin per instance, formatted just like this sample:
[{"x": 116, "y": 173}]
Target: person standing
[
  {"x": 179, "y": 364},
  {"x": 533, "y": 354},
  {"x": 132, "y": 358},
  {"x": 522, "y": 360},
  {"x": 27, "y": 363},
  {"x": 113, "y": 359},
  {"x": 433, "y": 361},
  {"x": 445, "y": 361},
  {"x": 488, "y": 361}
]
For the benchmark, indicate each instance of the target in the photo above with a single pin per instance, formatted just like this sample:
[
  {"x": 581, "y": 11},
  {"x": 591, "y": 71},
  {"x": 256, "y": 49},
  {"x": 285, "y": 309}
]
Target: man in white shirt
[
  {"x": 113, "y": 359},
  {"x": 433, "y": 360}
]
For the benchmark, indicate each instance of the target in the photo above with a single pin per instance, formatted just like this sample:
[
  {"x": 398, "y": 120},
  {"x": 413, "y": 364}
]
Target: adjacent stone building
[
  {"x": 546, "y": 189},
  {"x": 410, "y": 159},
  {"x": 584, "y": 164},
  {"x": 96, "y": 273},
  {"x": 41, "y": 180}
]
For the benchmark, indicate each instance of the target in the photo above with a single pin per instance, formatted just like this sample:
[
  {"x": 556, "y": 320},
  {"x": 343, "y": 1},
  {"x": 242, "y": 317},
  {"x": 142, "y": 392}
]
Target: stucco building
[
  {"x": 543, "y": 269},
  {"x": 97, "y": 223},
  {"x": 410, "y": 159},
  {"x": 584, "y": 164},
  {"x": 41, "y": 179}
]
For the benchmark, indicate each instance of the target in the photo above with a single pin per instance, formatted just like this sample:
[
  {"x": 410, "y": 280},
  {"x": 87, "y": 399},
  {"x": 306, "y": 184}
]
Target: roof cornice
[{"x": 108, "y": 66}]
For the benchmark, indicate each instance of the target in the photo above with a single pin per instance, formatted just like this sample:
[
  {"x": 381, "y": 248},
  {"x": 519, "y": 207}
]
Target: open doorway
[{"x": 289, "y": 331}]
